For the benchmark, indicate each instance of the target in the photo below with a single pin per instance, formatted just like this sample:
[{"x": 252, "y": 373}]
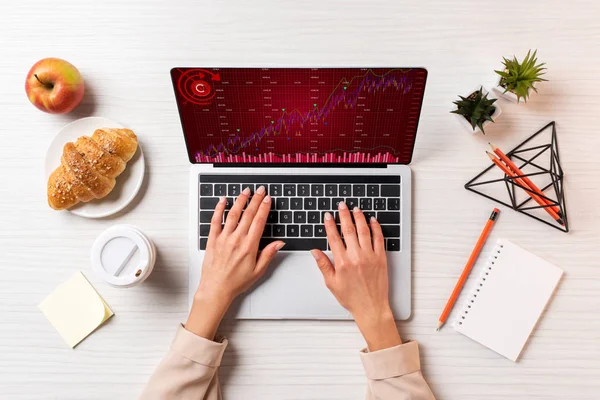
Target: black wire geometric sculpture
[{"x": 530, "y": 165}]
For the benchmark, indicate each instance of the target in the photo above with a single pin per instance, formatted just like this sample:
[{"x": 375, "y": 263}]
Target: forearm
[
  {"x": 206, "y": 314},
  {"x": 188, "y": 371},
  {"x": 379, "y": 330}
]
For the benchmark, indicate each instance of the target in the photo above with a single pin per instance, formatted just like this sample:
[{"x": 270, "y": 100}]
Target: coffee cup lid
[{"x": 122, "y": 255}]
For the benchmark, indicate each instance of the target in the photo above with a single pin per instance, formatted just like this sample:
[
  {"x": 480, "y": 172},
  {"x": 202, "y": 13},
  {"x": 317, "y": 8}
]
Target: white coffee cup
[{"x": 123, "y": 256}]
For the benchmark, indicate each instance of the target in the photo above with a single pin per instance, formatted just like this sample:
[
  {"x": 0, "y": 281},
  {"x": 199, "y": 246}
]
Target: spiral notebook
[{"x": 508, "y": 299}]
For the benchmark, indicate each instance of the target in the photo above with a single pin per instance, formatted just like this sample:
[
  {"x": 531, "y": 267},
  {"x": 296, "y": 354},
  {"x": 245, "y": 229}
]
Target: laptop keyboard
[{"x": 301, "y": 201}]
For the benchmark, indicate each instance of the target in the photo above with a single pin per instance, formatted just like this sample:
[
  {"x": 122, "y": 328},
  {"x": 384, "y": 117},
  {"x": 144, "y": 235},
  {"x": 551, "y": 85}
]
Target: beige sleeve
[
  {"x": 188, "y": 371},
  {"x": 395, "y": 374}
]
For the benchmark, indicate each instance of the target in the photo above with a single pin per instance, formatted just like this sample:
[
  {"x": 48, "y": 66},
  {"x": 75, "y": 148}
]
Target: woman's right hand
[{"x": 358, "y": 276}]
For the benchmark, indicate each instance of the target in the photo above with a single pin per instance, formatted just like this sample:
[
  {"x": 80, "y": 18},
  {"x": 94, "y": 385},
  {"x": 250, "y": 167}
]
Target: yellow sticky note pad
[{"x": 75, "y": 309}]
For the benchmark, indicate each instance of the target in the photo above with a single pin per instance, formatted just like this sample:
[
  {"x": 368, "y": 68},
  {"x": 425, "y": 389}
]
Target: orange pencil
[
  {"x": 520, "y": 181},
  {"x": 467, "y": 270},
  {"x": 526, "y": 179}
]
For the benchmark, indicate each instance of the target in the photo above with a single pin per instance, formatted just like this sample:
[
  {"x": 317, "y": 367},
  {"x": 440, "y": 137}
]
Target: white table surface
[{"x": 125, "y": 49}]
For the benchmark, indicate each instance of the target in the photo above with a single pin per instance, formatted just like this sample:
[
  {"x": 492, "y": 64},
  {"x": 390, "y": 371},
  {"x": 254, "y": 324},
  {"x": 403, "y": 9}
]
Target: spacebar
[{"x": 296, "y": 244}]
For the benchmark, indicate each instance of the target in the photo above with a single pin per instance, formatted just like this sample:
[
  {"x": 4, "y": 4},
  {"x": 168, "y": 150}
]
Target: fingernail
[
  {"x": 260, "y": 190},
  {"x": 267, "y": 199},
  {"x": 315, "y": 254},
  {"x": 222, "y": 199},
  {"x": 246, "y": 191},
  {"x": 373, "y": 219},
  {"x": 355, "y": 209},
  {"x": 342, "y": 205},
  {"x": 279, "y": 246},
  {"x": 328, "y": 216}
]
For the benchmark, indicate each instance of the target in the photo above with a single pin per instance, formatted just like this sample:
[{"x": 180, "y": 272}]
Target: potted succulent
[
  {"x": 476, "y": 110},
  {"x": 516, "y": 79}
]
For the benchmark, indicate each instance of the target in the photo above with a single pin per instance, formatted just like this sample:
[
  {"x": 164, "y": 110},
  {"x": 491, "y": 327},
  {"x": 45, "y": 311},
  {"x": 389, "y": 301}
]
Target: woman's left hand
[{"x": 232, "y": 262}]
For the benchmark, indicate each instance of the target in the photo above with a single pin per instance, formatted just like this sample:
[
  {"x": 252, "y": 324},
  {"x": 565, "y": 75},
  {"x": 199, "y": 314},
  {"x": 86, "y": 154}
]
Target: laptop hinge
[{"x": 301, "y": 165}]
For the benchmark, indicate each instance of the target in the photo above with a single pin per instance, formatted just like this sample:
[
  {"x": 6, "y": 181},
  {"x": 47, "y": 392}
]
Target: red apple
[{"x": 54, "y": 86}]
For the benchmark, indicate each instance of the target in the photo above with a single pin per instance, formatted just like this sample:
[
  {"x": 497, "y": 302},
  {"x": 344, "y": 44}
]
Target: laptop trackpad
[{"x": 293, "y": 287}]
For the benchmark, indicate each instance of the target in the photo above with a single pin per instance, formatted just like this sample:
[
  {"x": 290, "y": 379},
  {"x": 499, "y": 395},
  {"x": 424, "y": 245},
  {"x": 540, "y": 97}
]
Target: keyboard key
[
  {"x": 203, "y": 242},
  {"x": 229, "y": 203},
  {"x": 304, "y": 190},
  {"x": 282, "y": 203},
  {"x": 390, "y": 231},
  {"x": 345, "y": 190},
  {"x": 388, "y": 217},
  {"x": 351, "y": 202},
  {"x": 289, "y": 190},
  {"x": 314, "y": 217},
  {"x": 300, "y": 244},
  {"x": 358, "y": 190},
  {"x": 204, "y": 230},
  {"x": 208, "y": 203},
  {"x": 393, "y": 204},
  {"x": 293, "y": 231},
  {"x": 331, "y": 190},
  {"x": 205, "y": 217},
  {"x": 285, "y": 217},
  {"x": 249, "y": 186},
  {"x": 233, "y": 190},
  {"x": 310, "y": 203},
  {"x": 373, "y": 190},
  {"x": 324, "y": 203},
  {"x": 366, "y": 203},
  {"x": 392, "y": 245},
  {"x": 317, "y": 190},
  {"x": 306, "y": 231},
  {"x": 268, "y": 231},
  {"x": 335, "y": 202},
  {"x": 275, "y": 190},
  {"x": 368, "y": 215},
  {"x": 206, "y": 189},
  {"x": 379, "y": 204},
  {"x": 299, "y": 217},
  {"x": 296, "y": 203},
  {"x": 390, "y": 190},
  {"x": 278, "y": 230},
  {"x": 320, "y": 231},
  {"x": 225, "y": 214},
  {"x": 220, "y": 189},
  {"x": 273, "y": 217}
]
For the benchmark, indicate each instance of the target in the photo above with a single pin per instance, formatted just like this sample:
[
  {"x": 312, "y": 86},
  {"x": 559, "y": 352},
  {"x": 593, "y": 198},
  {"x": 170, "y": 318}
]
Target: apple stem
[{"x": 48, "y": 85}]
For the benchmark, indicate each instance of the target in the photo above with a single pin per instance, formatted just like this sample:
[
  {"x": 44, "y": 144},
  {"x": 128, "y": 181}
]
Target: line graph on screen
[{"x": 312, "y": 116}]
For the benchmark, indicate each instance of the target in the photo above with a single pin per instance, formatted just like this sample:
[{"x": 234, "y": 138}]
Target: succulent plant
[
  {"x": 520, "y": 77},
  {"x": 476, "y": 108}
]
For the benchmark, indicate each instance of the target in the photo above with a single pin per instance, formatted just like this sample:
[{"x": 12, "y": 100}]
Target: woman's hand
[
  {"x": 231, "y": 262},
  {"x": 358, "y": 277}
]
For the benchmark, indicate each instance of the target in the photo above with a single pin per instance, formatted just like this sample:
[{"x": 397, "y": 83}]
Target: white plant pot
[
  {"x": 467, "y": 125},
  {"x": 499, "y": 90}
]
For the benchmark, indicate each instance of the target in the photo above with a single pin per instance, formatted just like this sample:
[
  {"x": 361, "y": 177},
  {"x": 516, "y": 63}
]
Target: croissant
[{"x": 89, "y": 166}]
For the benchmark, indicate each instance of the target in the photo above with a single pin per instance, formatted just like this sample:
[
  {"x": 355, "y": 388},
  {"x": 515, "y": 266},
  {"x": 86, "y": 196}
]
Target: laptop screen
[{"x": 299, "y": 115}]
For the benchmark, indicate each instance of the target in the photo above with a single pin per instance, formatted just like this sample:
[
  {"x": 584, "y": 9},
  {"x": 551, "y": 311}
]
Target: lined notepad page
[{"x": 508, "y": 299}]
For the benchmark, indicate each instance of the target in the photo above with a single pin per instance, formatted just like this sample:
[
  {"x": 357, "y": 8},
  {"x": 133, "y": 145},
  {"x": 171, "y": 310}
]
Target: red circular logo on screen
[
  {"x": 196, "y": 85},
  {"x": 201, "y": 88}
]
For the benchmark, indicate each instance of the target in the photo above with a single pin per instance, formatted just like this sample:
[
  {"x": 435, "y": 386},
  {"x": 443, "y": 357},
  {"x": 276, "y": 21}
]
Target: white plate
[{"x": 128, "y": 183}]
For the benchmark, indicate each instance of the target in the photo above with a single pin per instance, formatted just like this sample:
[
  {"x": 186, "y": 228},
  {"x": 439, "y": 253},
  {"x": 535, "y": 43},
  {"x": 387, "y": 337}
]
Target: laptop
[{"x": 313, "y": 137}]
